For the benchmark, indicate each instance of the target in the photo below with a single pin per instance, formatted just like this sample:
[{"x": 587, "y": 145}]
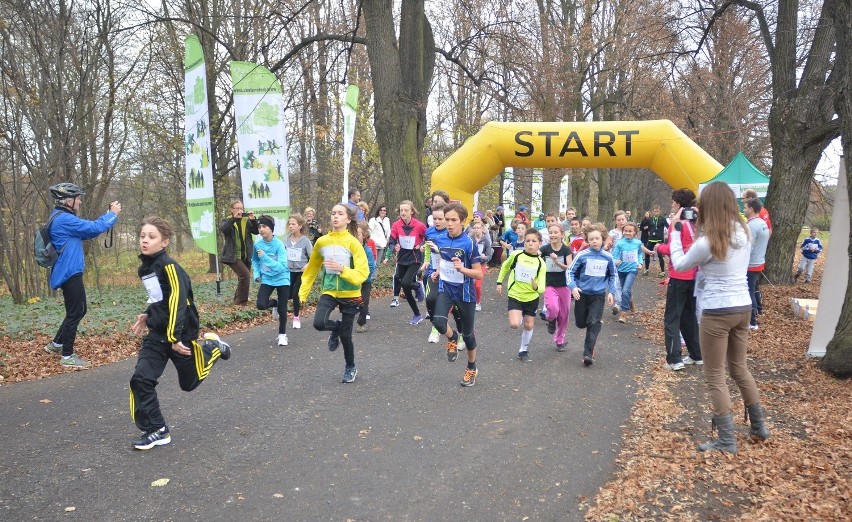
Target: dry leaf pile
[{"x": 803, "y": 472}]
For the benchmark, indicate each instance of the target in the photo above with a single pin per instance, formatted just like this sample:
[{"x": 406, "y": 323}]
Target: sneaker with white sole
[
  {"x": 282, "y": 339},
  {"x": 275, "y": 313},
  {"x": 434, "y": 336},
  {"x": 158, "y": 437},
  {"x": 417, "y": 319},
  {"x": 394, "y": 302},
  {"x": 462, "y": 345},
  {"x": 478, "y": 307},
  {"x": 74, "y": 362},
  {"x": 675, "y": 367},
  {"x": 689, "y": 361},
  {"x": 52, "y": 348},
  {"x": 297, "y": 323},
  {"x": 367, "y": 317},
  {"x": 349, "y": 375},
  {"x": 469, "y": 377}
]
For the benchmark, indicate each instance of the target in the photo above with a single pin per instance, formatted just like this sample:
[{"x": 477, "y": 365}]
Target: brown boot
[{"x": 622, "y": 318}]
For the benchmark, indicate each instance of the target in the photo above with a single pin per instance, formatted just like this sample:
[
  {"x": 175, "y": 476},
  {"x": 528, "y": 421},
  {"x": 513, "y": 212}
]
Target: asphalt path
[{"x": 274, "y": 435}]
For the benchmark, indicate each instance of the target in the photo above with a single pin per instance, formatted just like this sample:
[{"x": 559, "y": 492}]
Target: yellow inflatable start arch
[{"x": 657, "y": 145}]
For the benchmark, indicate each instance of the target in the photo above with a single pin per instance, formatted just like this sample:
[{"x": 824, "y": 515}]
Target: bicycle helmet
[{"x": 66, "y": 190}]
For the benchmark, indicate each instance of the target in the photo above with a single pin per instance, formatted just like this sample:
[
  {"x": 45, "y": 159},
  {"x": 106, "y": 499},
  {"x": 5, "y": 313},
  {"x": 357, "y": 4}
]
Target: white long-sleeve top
[{"x": 724, "y": 281}]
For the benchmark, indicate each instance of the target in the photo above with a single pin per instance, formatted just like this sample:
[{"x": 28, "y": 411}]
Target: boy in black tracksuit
[{"x": 172, "y": 322}]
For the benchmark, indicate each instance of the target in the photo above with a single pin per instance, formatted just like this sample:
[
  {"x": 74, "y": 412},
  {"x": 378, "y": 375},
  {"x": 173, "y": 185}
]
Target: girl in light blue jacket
[{"x": 269, "y": 264}]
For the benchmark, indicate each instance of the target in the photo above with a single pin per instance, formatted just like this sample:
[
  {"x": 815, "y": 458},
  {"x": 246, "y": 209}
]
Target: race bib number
[
  {"x": 449, "y": 273},
  {"x": 596, "y": 268},
  {"x": 631, "y": 256},
  {"x": 524, "y": 274},
  {"x": 339, "y": 254},
  {"x": 434, "y": 260},
  {"x": 551, "y": 265},
  {"x": 152, "y": 286},
  {"x": 294, "y": 254},
  {"x": 407, "y": 242}
]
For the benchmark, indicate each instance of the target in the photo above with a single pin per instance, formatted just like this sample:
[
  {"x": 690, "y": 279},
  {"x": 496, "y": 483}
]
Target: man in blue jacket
[{"x": 67, "y": 233}]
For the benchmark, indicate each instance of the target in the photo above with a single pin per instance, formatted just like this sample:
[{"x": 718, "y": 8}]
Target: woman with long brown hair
[{"x": 722, "y": 254}]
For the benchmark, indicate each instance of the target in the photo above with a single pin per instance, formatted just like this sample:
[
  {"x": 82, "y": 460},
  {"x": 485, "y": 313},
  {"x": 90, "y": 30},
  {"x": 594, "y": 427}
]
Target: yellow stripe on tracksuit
[
  {"x": 132, "y": 406},
  {"x": 203, "y": 370},
  {"x": 174, "y": 283}
]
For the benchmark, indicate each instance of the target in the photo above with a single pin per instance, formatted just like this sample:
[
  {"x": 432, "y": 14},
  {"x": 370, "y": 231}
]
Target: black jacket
[
  {"x": 238, "y": 242},
  {"x": 172, "y": 315}
]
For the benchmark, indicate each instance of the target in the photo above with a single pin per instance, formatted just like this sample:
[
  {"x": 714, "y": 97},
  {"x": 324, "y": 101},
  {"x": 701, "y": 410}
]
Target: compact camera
[{"x": 689, "y": 214}]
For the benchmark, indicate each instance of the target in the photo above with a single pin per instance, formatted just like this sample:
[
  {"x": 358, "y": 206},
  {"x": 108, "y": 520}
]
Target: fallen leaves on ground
[{"x": 801, "y": 473}]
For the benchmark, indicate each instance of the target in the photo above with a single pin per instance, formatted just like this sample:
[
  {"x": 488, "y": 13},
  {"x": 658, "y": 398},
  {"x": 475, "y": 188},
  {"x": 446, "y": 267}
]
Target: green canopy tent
[{"x": 740, "y": 175}]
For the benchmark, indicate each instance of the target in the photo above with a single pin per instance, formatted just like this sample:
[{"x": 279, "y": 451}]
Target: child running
[
  {"x": 269, "y": 264},
  {"x": 431, "y": 265},
  {"x": 299, "y": 248},
  {"x": 628, "y": 258},
  {"x": 526, "y": 271},
  {"x": 482, "y": 241},
  {"x": 459, "y": 268},
  {"x": 557, "y": 296},
  {"x": 367, "y": 285},
  {"x": 344, "y": 269},
  {"x": 590, "y": 276},
  {"x": 172, "y": 322},
  {"x": 407, "y": 234}
]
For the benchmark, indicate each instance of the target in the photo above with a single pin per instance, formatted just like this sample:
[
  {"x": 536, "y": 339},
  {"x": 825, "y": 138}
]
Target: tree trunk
[
  {"x": 401, "y": 76},
  {"x": 838, "y": 353}
]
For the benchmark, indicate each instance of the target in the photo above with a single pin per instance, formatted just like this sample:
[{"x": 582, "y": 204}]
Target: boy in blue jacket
[
  {"x": 269, "y": 264},
  {"x": 811, "y": 247},
  {"x": 591, "y": 278}
]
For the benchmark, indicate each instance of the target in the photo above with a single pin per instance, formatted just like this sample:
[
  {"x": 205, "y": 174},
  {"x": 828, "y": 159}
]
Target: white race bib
[
  {"x": 551, "y": 265},
  {"x": 337, "y": 253},
  {"x": 407, "y": 242},
  {"x": 152, "y": 286},
  {"x": 630, "y": 256},
  {"x": 449, "y": 272},
  {"x": 524, "y": 274},
  {"x": 596, "y": 268},
  {"x": 434, "y": 259},
  {"x": 294, "y": 254}
]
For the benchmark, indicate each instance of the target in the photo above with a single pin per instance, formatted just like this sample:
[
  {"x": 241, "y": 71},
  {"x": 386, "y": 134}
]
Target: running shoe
[
  {"x": 524, "y": 356},
  {"x": 213, "y": 341},
  {"x": 551, "y": 327},
  {"x": 297, "y": 323},
  {"x": 158, "y": 437},
  {"x": 452, "y": 350},
  {"x": 361, "y": 328},
  {"x": 616, "y": 309},
  {"x": 588, "y": 361},
  {"x": 645, "y": 272},
  {"x": 394, "y": 302},
  {"x": 333, "y": 341},
  {"x": 434, "y": 336},
  {"x": 368, "y": 317},
  {"x": 420, "y": 292},
  {"x": 462, "y": 345},
  {"x": 689, "y": 361},
  {"x": 74, "y": 362},
  {"x": 275, "y": 313},
  {"x": 417, "y": 319},
  {"x": 543, "y": 314},
  {"x": 478, "y": 307},
  {"x": 753, "y": 327},
  {"x": 469, "y": 377},
  {"x": 349, "y": 374},
  {"x": 560, "y": 347},
  {"x": 622, "y": 318},
  {"x": 52, "y": 348},
  {"x": 282, "y": 339},
  {"x": 675, "y": 367}
]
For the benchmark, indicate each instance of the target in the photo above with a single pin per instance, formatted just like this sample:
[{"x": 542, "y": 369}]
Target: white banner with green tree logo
[
  {"x": 200, "y": 205},
  {"x": 261, "y": 138}
]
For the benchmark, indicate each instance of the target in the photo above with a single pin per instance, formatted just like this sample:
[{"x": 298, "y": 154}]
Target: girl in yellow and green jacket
[
  {"x": 344, "y": 268},
  {"x": 526, "y": 272}
]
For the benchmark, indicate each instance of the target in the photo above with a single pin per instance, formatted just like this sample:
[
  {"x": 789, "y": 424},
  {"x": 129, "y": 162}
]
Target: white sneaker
[
  {"x": 297, "y": 323},
  {"x": 753, "y": 327},
  {"x": 282, "y": 339},
  {"x": 461, "y": 345},
  {"x": 689, "y": 360},
  {"x": 478, "y": 307},
  {"x": 434, "y": 336},
  {"x": 275, "y": 313},
  {"x": 367, "y": 317},
  {"x": 676, "y": 367}
]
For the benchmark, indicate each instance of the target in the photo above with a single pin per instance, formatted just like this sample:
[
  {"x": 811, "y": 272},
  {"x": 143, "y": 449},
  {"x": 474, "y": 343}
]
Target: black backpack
[{"x": 45, "y": 254}]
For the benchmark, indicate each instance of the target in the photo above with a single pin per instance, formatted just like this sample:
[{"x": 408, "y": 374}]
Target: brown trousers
[
  {"x": 243, "y": 271},
  {"x": 724, "y": 339}
]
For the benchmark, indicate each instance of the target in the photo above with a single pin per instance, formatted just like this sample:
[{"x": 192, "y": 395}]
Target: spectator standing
[
  {"x": 236, "y": 253},
  {"x": 811, "y": 247},
  {"x": 67, "y": 233},
  {"x": 314, "y": 230},
  {"x": 380, "y": 231},
  {"x": 355, "y": 198},
  {"x": 656, "y": 235},
  {"x": 757, "y": 260},
  {"x": 497, "y": 229},
  {"x": 722, "y": 252}
]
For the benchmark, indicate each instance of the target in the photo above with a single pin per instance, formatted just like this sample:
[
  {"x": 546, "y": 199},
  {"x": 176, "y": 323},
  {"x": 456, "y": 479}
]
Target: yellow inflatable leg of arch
[{"x": 657, "y": 145}]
